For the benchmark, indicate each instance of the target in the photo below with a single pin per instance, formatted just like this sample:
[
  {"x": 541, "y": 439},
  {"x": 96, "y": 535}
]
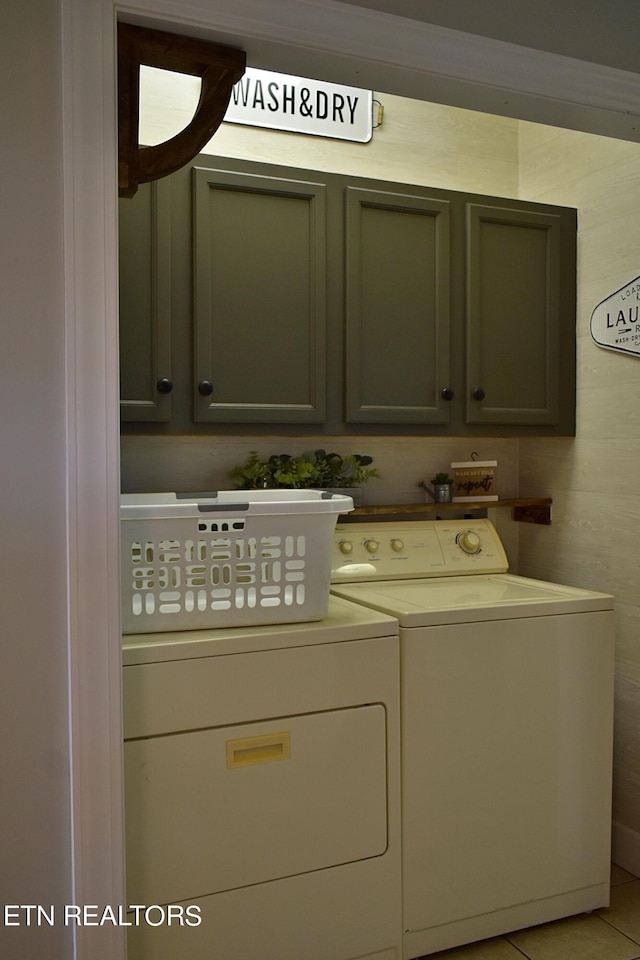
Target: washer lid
[{"x": 466, "y": 599}]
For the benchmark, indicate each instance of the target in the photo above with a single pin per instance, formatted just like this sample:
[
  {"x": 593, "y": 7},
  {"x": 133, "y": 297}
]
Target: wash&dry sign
[
  {"x": 266, "y": 99},
  {"x": 615, "y": 323}
]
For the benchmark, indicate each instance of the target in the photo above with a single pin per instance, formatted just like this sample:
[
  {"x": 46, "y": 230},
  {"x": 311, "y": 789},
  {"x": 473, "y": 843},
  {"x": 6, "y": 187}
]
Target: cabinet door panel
[
  {"x": 144, "y": 228},
  {"x": 259, "y": 262},
  {"x": 397, "y": 308},
  {"x": 513, "y": 316}
]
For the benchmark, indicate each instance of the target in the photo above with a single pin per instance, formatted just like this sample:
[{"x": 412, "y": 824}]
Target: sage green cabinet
[
  {"x": 397, "y": 307},
  {"x": 144, "y": 225},
  {"x": 520, "y": 292},
  {"x": 459, "y": 314},
  {"x": 289, "y": 300},
  {"x": 259, "y": 298}
]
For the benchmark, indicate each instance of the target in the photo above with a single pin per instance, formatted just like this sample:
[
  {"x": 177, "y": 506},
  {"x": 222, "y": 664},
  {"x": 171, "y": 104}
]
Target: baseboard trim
[{"x": 625, "y": 848}]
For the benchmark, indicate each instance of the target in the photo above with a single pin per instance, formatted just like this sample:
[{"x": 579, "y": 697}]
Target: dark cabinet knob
[
  {"x": 478, "y": 394},
  {"x": 205, "y": 388},
  {"x": 447, "y": 393},
  {"x": 164, "y": 385}
]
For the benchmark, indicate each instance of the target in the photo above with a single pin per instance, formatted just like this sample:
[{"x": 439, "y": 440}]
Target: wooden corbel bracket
[{"x": 218, "y": 67}]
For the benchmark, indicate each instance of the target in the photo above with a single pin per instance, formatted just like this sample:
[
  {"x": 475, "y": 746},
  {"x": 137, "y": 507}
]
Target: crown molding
[{"x": 392, "y": 54}]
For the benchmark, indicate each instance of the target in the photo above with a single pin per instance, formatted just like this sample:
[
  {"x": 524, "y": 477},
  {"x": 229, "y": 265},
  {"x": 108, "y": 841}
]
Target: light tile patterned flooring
[{"x": 612, "y": 933}]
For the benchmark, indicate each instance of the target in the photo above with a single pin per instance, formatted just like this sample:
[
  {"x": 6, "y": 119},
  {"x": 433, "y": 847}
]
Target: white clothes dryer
[
  {"x": 262, "y": 790},
  {"x": 506, "y": 706}
]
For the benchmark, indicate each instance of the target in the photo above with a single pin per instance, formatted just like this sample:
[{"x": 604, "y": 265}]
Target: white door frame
[
  {"x": 309, "y": 37},
  {"x": 90, "y": 262}
]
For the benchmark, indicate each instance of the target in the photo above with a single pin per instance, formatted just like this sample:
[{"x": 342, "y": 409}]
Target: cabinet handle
[
  {"x": 205, "y": 388},
  {"x": 164, "y": 385},
  {"x": 447, "y": 393},
  {"x": 478, "y": 394}
]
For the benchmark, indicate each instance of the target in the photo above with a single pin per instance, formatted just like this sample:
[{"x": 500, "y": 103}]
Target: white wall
[
  {"x": 34, "y": 691},
  {"x": 594, "y": 479},
  {"x": 418, "y": 142}
]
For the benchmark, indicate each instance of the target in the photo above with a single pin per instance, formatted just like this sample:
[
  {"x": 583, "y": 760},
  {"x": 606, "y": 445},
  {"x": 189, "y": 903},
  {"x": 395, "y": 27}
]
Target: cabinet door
[
  {"x": 144, "y": 228},
  {"x": 517, "y": 323},
  {"x": 397, "y": 308},
  {"x": 259, "y": 289}
]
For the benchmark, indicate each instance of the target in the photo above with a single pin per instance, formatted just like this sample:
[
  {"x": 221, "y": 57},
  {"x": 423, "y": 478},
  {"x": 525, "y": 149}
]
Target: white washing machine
[
  {"x": 262, "y": 790},
  {"x": 506, "y": 705}
]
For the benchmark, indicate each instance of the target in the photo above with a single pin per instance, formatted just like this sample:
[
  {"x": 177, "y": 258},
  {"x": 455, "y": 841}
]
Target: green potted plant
[
  {"x": 314, "y": 469},
  {"x": 442, "y": 484},
  {"x": 441, "y": 478}
]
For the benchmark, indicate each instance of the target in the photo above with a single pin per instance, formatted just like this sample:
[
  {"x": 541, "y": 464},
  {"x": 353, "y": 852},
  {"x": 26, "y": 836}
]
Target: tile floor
[{"x": 608, "y": 934}]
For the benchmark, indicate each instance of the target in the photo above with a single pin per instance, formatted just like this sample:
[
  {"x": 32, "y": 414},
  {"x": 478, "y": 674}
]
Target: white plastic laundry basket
[{"x": 232, "y": 558}]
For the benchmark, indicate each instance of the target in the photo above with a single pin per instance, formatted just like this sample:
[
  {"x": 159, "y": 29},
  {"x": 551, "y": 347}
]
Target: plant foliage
[{"x": 314, "y": 468}]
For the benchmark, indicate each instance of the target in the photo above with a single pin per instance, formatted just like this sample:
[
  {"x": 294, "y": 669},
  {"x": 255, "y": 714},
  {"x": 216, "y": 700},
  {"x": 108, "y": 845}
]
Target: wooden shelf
[{"x": 525, "y": 510}]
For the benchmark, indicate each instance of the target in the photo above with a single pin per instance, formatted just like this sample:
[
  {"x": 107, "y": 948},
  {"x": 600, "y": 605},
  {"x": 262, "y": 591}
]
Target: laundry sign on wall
[
  {"x": 615, "y": 323},
  {"x": 276, "y": 100}
]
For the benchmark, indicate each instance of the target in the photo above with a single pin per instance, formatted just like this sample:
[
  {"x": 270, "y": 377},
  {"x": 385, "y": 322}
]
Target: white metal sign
[
  {"x": 615, "y": 323},
  {"x": 276, "y": 100}
]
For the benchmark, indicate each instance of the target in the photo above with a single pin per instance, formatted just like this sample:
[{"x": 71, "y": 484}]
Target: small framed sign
[
  {"x": 276, "y": 100},
  {"x": 615, "y": 323},
  {"x": 474, "y": 480}
]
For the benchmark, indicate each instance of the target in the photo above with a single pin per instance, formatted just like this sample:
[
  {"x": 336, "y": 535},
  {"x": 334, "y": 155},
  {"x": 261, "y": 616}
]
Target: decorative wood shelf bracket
[
  {"x": 532, "y": 513},
  {"x": 218, "y": 67}
]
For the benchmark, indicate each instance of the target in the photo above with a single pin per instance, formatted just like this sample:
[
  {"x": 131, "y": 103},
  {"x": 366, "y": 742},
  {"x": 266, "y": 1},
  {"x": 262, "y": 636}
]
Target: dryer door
[{"x": 216, "y": 809}]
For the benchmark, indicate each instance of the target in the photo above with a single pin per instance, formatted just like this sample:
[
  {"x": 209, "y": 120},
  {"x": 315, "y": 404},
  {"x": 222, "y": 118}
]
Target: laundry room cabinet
[
  {"x": 296, "y": 299},
  {"x": 259, "y": 297},
  {"x": 460, "y": 312},
  {"x": 145, "y": 273},
  {"x": 519, "y": 314},
  {"x": 397, "y": 307}
]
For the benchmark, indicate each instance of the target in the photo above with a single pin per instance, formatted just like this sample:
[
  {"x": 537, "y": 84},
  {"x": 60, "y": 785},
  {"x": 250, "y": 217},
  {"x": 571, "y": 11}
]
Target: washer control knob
[
  {"x": 345, "y": 546},
  {"x": 397, "y": 544},
  {"x": 371, "y": 546},
  {"x": 469, "y": 541}
]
